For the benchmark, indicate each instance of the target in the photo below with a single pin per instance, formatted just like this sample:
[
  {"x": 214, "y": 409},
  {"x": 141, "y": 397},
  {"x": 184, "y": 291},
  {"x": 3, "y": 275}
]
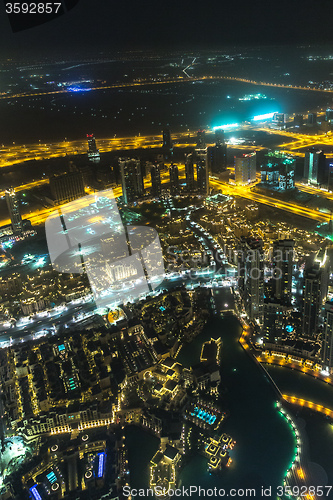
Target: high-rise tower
[
  {"x": 189, "y": 172},
  {"x": 283, "y": 251},
  {"x": 14, "y": 211},
  {"x": 156, "y": 187},
  {"x": 201, "y": 139},
  {"x": 93, "y": 152},
  {"x": 314, "y": 294},
  {"x": 245, "y": 168},
  {"x": 315, "y": 169},
  {"x": 174, "y": 180},
  {"x": 201, "y": 159},
  {"x": 327, "y": 342},
  {"x": 251, "y": 277},
  {"x": 131, "y": 179}
]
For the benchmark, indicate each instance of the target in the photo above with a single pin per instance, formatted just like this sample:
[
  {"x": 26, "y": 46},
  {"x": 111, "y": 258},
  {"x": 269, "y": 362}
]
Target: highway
[
  {"x": 180, "y": 79},
  {"x": 245, "y": 192}
]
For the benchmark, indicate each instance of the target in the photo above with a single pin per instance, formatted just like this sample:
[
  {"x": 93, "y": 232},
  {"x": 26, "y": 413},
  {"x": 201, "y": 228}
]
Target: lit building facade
[
  {"x": 93, "y": 152},
  {"x": 327, "y": 342},
  {"x": 283, "y": 251},
  {"x": 67, "y": 187},
  {"x": 174, "y": 180},
  {"x": 156, "y": 187},
  {"x": 245, "y": 169},
  {"x": 201, "y": 159},
  {"x": 315, "y": 170},
  {"x": 131, "y": 179},
  {"x": 14, "y": 211},
  {"x": 314, "y": 294},
  {"x": 189, "y": 172},
  {"x": 251, "y": 277}
]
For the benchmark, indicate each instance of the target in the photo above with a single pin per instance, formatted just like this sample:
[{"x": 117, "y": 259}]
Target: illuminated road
[
  {"x": 299, "y": 140},
  {"x": 39, "y": 216},
  {"x": 15, "y": 154},
  {"x": 244, "y": 192},
  {"x": 180, "y": 79}
]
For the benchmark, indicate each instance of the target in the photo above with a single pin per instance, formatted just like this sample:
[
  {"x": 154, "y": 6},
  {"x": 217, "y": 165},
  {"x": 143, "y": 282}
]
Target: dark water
[
  {"x": 318, "y": 429},
  {"x": 145, "y": 110},
  {"x": 265, "y": 444}
]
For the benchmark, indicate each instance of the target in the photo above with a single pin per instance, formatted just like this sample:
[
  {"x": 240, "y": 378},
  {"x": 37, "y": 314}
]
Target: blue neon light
[
  {"x": 61, "y": 347},
  {"x": 204, "y": 415},
  {"x": 229, "y": 125},
  {"x": 51, "y": 477},
  {"x": 35, "y": 493},
  {"x": 77, "y": 89},
  {"x": 264, "y": 117},
  {"x": 101, "y": 463}
]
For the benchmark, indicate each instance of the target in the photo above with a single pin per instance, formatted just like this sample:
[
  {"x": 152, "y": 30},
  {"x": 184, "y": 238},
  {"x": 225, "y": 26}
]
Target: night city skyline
[{"x": 166, "y": 246}]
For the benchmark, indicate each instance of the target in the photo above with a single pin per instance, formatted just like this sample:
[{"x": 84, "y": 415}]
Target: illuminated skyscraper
[
  {"x": 219, "y": 137},
  {"x": 201, "y": 139},
  {"x": 312, "y": 119},
  {"x": 156, "y": 187},
  {"x": 277, "y": 171},
  {"x": 327, "y": 343},
  {"x": 131, "y": 179},
  {"x": 201, "y": 159},
  {"x": 174, "y": 180},
  {"x": 217, "y": 158},
  {"x": 245, "y": 168},
  {"x": 93, "y": 152},
  {"x": 315, "y": 169},
  {"x": 67, "y": 187},
  {"x": 14, "y": 211},
  {"x": 189, "y": 172},
  {"x": 314, "y": 294},
  {"x": 167, "y": 144},
  {"x": 251, "y": 277},
  {"x": 283, "y": 251}
]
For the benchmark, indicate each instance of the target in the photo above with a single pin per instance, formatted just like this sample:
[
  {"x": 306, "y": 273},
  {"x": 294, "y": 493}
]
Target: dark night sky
[{"x": 107, "y": 25}]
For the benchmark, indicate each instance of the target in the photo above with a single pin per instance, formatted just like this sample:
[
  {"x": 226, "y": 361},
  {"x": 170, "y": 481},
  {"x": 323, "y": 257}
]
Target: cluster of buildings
[{"x": 198, "y": 163}]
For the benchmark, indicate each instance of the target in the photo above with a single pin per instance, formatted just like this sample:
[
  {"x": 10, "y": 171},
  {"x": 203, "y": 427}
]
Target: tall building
[
  {"x": 14, "y": 211},
  {"x": 327, "y": 341},
  {"x": 283, "y": 252},
  {"x": 167, "y": 141},
  {"x": 167, "y": 147},
  {"x": 93, "y": 152},
  {"x": 156, "y": 187},
  {"x": 174, "y": 180},
  {"x": 329, "y": 115},
  {"x": 275, "y": 319},
  {"x": 189, "y": 172},
  {"x": 219, "y": 137},
  {"x": 315, "y": 170},
  {"x": 312, "y": 119},
  {"x": 251, "y": 277},
  {"x": 67, "y": 187},
  {"x": 201, "y": 159},
  {"x": 245, "y": 168},
  {"x": 277, "y": 171},
  {"x": 298, "y": 120},
  {"x": 131, "y": 179},
  {"x": 201, "y": 139},
  {"x": 314, "y": 294},
  {"x": 217, "y": 155}
]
